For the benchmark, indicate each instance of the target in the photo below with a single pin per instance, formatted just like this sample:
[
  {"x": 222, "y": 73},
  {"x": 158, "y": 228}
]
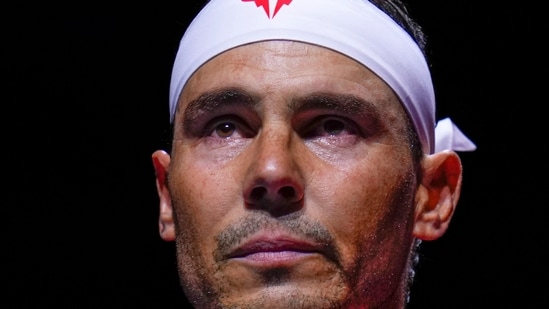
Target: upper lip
[{"x": 275, "y": 241}]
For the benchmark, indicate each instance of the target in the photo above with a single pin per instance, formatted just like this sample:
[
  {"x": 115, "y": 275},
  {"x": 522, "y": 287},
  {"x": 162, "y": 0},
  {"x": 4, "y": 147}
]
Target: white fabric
[
  {"x": 449, "y": 137},
  {"x": 355, "y": 28}
]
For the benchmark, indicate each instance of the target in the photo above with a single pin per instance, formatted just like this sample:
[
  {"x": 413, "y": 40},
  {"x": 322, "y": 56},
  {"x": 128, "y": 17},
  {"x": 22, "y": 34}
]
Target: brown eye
[
  {"x": 333, "y": 126},
  {"x": 225, "y": 129}
]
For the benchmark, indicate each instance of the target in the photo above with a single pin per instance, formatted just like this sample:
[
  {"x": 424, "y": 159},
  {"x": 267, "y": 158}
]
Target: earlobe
[
  {"x": 437, "y": 195},
  {"x": 161, "y": 163}
]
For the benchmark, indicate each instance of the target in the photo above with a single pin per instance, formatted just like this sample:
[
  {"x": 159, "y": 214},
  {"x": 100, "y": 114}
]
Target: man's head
[{"x": 296, "y": 176}]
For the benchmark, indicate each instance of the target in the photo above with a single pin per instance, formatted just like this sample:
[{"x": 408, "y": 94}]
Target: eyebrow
[
  {"x": 215, "y": 99},
  {"x": 344, "y": 103},
  {"x": 218, "y": 98}
]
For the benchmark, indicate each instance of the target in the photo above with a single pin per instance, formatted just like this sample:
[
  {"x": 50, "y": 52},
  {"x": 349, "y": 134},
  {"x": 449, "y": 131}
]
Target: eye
[
  {"x": 224, "y": 130},
  {"x": 333, "y": 126},
  {"x": 330, "y": 126},
  {"x": 228, "y": 127}
]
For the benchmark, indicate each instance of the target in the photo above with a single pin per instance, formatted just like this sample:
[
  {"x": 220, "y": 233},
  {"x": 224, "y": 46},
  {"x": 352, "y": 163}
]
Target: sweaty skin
[{"x": 291, "y": 184}]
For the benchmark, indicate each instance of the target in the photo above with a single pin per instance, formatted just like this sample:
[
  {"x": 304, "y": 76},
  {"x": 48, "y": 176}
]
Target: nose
[{"x": 274, "y": 179}]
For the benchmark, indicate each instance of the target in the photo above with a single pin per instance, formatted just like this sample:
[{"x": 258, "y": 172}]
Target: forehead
[{"x": 277, "y": 65}]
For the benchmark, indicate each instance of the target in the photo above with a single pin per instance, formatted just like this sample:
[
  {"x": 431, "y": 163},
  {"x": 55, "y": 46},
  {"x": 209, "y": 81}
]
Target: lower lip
[{"x": 275, "y": 258}]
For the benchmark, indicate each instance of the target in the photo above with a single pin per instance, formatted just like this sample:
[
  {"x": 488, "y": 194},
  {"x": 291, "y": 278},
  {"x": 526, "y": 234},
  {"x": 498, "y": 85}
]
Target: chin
[{"x": 285, "y": 296}]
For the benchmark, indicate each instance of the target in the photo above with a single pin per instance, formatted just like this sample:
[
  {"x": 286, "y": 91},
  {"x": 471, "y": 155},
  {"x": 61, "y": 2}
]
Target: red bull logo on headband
[{"x": 266, "y": 7}]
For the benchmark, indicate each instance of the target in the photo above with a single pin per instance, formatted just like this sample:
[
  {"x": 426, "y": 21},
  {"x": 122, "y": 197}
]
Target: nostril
[
  {"x": 287, "y": 192},
  {"x": 258, "y": 193},
  {"x": 277, "y": 202}
]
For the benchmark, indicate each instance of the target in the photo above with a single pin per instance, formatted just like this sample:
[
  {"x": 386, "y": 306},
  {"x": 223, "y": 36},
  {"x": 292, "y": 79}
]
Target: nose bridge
[
  {"x": 274, "y": 156},
  {"x": 274, "y": 180}
]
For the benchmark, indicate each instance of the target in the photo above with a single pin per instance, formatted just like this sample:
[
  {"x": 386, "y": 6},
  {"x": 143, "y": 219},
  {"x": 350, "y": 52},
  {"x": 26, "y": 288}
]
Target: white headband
[{"x": 355, "y": 28}]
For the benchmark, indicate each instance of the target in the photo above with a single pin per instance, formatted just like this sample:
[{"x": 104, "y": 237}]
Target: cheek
[
  {"x": 205, "y": 188},
  {"x": 202, "y": 200},
  {"x": 369, "y": 208},
  {"x": 202, "y": 197}
]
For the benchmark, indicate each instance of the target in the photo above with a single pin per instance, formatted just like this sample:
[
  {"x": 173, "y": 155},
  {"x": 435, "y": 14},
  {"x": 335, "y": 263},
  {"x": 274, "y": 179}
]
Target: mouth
[{"x": 275, "y": 250}]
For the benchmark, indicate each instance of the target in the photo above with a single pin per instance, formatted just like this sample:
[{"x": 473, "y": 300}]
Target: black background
[{"x": 87, "y": 104}]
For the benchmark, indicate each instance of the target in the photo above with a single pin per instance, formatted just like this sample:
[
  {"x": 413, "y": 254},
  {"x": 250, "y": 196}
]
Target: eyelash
[
  {"x": 318, "y": 127},
  {"x": 236, "y": 123},
  {"x": 321, "y": 126}
]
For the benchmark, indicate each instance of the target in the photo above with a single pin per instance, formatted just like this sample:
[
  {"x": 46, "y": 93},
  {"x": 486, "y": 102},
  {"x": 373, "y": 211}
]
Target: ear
[
  {"x": 437, "y": 194},
  {"x": 161, "y": 163}
]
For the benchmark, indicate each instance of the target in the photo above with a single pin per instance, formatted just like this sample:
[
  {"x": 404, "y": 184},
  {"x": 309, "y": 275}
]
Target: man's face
[{"x": 291, "y": 181}]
